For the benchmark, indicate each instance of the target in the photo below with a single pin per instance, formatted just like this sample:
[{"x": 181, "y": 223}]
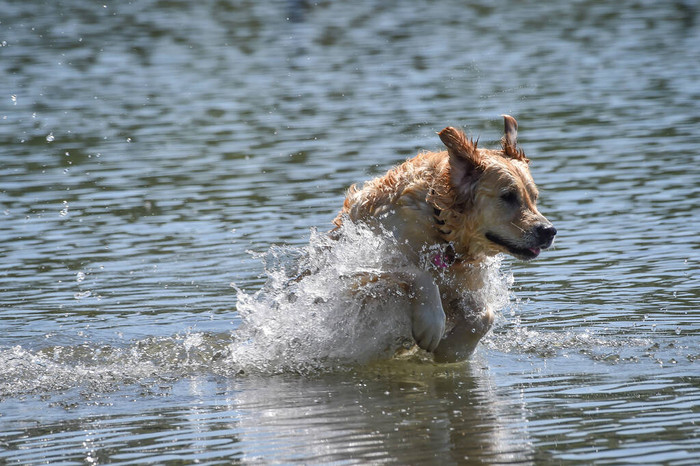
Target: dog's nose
[{"x": 545, "y": 234}]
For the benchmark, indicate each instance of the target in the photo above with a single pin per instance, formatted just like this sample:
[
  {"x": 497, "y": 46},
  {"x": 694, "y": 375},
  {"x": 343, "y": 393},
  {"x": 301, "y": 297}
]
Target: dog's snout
[{"x": 545, "y": 234}]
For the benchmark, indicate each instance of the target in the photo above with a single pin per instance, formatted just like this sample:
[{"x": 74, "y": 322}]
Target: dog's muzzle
[{"x": 540, "y": 237}]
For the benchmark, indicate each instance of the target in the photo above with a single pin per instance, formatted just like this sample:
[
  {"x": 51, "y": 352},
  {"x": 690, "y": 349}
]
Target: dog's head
[{"x": 490, "y": 198}]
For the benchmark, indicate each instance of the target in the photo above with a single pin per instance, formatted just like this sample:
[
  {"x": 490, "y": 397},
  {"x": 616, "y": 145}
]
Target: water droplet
[
  {"x": 64, "y": 211},
  {"x": 13, "y": 98},
  {"x": 678, "y": 330},
  {"x": 50, "y": 137},
  {"x": 80, "y": 276},
  {"x": 82, "y": 294}
]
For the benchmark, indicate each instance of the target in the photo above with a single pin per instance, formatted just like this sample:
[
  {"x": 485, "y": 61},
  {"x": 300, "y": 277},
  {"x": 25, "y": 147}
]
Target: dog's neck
[{"x": 453, "y": 250}]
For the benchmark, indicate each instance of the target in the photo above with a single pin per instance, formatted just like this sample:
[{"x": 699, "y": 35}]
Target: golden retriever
[{"x": 456, "y": 207}]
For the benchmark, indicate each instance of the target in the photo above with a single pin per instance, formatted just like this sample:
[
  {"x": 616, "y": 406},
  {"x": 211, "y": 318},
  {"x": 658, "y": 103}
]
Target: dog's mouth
[{"x": 526, "y": 253}]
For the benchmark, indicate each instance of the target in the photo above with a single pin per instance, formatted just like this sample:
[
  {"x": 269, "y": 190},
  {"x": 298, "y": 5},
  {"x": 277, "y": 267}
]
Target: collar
[{"x": 447, "y": 257}]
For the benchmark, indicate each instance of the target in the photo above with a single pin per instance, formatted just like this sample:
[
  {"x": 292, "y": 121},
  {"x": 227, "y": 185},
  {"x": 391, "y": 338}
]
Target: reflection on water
[
  {"x": 407, "y": 414},
  {"x": 410, "y": 414},
  {"x": 149, "y": 148},
  {"x": 390, "y": 412}
]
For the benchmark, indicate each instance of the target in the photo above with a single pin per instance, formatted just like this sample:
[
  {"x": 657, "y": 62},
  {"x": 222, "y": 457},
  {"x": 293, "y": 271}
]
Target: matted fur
[{"x": 469, "y": 202}]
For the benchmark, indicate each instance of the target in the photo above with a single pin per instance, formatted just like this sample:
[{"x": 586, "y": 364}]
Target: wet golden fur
[{"x": 468, "y": 202}]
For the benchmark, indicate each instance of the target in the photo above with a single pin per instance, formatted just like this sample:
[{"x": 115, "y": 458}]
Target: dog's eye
[{"x": 510, "y": 197}]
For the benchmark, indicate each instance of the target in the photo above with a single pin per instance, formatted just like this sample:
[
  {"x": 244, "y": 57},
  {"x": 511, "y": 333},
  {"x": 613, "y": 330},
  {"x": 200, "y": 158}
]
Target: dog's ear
[
  {"x": 510, "y": 136},
  {"x": 510, "y": 139},
  {"x": 465, "y": 161}
]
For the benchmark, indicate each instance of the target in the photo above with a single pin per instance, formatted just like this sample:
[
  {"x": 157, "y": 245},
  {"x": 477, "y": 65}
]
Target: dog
[{"x": 457, "y": 207}]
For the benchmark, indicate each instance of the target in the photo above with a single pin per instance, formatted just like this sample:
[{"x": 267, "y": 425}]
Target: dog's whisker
[{"x": 518, "y": 227}]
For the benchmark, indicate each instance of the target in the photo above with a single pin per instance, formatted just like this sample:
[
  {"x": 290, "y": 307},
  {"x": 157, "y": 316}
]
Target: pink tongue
[{"x": 535, "y": 251}]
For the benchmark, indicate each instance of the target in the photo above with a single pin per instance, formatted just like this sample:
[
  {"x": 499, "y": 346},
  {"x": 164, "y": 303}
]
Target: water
[{"x": 154, "y": 154}]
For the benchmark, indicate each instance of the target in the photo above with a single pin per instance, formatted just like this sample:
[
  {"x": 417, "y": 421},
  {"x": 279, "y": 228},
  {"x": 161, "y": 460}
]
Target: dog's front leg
[
  {"x": 468, "y": 328},
  {"x": 427, "y": 315}
]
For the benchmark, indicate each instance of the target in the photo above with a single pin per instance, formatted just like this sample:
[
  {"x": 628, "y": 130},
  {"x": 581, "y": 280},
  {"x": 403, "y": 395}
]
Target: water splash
[
  {"x": 515, "y": 337},
  {"x": 318, "y": 309},
  {"x": 105, "y": 367},
  {"x": 312, "y": 312},
  {"x": 316, "y": 312}
]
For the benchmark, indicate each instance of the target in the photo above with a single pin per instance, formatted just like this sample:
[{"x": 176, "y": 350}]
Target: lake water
[{"x": 163, "y": 161}]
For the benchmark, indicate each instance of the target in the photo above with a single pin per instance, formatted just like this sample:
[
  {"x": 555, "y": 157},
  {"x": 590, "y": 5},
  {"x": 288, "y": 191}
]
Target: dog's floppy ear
[
  {"x": 465, "y": 161},
  {"x": 510, "y": 139}
]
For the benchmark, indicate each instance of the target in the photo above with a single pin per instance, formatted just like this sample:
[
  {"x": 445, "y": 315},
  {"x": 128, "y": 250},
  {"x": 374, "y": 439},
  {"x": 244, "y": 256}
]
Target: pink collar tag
[{"x": 441, "y": 261}]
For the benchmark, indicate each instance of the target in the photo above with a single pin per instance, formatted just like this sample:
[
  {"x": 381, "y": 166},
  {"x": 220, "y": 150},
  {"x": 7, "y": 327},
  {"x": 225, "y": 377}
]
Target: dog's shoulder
[{"x": 404, "y": 186}]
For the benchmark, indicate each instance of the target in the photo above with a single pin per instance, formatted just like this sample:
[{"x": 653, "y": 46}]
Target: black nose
[{"x": 545, "y": 234}]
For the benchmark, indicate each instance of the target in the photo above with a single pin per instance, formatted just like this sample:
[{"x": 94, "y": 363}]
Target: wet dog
[{"x": 457, "y": 208}]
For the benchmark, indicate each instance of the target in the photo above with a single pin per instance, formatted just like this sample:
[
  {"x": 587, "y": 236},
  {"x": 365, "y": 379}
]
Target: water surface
[{"x": 152, "y": 152}]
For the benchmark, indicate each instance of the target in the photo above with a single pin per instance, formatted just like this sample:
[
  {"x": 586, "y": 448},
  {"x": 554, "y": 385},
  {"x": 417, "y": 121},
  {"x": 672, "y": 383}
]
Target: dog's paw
[
  {"x": 427, "y": 315},
  {"x": 428, "y": 326}
]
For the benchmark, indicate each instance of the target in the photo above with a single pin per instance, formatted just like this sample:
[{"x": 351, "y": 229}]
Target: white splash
[{"x": 315, "y": 312}]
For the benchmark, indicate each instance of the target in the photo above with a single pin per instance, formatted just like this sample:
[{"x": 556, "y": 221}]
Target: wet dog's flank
[{"x": 467, "y": 202}]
